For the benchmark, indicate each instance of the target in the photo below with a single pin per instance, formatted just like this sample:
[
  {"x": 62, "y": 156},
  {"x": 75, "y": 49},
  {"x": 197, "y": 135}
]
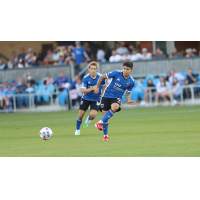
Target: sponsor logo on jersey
[{"x": 127, "y": 84}]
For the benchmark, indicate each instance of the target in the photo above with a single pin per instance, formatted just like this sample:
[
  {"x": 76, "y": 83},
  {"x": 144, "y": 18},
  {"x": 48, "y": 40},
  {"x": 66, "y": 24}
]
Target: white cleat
[
  {"x": 77, "y": 132},
  {"x": 87, "y": 123}
]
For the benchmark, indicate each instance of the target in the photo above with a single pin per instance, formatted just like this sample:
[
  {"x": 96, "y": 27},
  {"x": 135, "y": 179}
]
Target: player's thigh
[{"x": 116, "y": 104}]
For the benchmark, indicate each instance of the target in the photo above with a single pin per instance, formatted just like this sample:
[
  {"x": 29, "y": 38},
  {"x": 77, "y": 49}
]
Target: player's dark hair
[{"x": 128, "y": 64}]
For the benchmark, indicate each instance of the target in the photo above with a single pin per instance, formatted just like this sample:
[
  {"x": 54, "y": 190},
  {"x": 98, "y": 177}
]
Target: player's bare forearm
[
  {"x": 101, "y": 78},
  {"x": 128, "y": 98},
  {"x": 84, "y": 90},
  {"x": 104, "y": 87}
]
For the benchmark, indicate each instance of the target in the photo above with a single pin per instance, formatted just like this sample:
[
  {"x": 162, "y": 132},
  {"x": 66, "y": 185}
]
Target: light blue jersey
[
  {"x": 89, "y": 82},
  {"x": 118, "y": 84}
]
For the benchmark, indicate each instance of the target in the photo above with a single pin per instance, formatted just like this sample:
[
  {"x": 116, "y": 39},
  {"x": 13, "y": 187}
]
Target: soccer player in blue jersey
[
  {"x": 89, "y": 98},
  {"x": 111, "y": 99}
]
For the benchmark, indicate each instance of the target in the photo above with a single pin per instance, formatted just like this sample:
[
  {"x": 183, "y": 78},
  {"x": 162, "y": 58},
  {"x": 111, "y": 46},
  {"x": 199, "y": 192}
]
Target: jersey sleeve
[
  {"x": 111, "y": 74},
  {"x": 131, "y": 87},
  {"x": 84, "y": 83}
]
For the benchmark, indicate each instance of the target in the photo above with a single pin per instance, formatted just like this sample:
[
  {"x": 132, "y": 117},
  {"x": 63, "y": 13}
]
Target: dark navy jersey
[
  {"x": 118, "y": 84},
  {"x": 89, "y": 82}
]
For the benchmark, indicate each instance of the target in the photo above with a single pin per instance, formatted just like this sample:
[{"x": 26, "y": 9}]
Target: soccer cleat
[
  {"x": 87, "y": 123},
  {"x": 99, "y": 126},
  {"x": 105, "y": 138},
  {"x": 77, "y": 132}
]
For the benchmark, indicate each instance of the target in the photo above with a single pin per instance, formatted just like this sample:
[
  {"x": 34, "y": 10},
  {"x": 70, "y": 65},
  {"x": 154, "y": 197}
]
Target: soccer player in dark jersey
[
  {"x": 111, "y": 99},
  {"x": 89, "y": 98}
]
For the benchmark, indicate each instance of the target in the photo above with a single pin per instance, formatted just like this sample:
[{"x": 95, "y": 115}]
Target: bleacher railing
[{"x": 155, "y": 67}]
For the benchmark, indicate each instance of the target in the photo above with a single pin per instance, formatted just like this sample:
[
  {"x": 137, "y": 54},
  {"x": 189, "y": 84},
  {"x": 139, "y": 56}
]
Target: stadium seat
[
  {"x": 46, "y": 94},
  {"x": 155, "y": 81},
  {"x": 184, "y": 74},
  {"x": 163, "y": 75},
  {"x": 40, "y": 91},
  {"x": 62, "y": 97}
]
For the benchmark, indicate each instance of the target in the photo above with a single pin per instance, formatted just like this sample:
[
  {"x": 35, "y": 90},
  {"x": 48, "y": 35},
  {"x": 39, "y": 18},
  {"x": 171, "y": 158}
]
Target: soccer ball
[{"x": 46, "y": 133}]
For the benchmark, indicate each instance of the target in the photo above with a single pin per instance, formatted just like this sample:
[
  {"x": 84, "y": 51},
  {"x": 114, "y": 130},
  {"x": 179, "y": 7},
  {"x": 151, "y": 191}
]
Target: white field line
[{"x": 74, "y": 118}]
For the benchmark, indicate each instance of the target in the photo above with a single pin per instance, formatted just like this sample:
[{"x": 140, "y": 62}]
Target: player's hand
[
  {"x": 131, "y": 102},
  {"x": 96, "y": 90}
]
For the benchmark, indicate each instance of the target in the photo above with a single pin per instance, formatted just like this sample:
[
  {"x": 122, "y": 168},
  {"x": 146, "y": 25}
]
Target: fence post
[
  {"x": 150, "y": 96},
  {"x": 14, "y": 102},
  {"x": 192, "y": 93}
]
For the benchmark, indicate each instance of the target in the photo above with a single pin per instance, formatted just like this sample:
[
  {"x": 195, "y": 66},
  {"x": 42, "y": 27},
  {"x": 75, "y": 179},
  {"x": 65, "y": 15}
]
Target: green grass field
[{"x": 143, "y": 132}]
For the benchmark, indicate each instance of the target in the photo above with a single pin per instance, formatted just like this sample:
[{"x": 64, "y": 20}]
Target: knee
[
  {"x": 115, "y": 107},
  {"x": 80, "y": 115},
  {"x": 92, "y": 116}
]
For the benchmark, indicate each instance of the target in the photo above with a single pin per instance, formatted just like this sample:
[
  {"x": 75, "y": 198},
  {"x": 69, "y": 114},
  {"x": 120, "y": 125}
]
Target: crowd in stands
[
  {"x": 80, "y": 54},
  {"x": 42, "y": 89},
  {"x": 168, "y": 87}
]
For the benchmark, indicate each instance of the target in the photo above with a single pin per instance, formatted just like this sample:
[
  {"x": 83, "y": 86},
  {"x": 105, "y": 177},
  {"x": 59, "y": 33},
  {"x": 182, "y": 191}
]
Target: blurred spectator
[
  {"x": 2, "y": 95},
  {"x": 176, "y": 90},
  {"x": 29, "y": 88},
  {"x": 190, "y": 53},
  {"x": 78, "y": 90},
  {"x": 74, "y": 82},
  {"x": 30, "y": 79},
  {"x": 56, "y": 54},
  {"x": 12, "y": 61},
  {"x": 60, "y": 61},
  {"x": 175, "y": 54},
  {"x": 79, "y": 53},
  {"x": 21, "y": 58},
  {"x": 21, "y": 88},
  {"x": 146, "y": 94},
  {"x": 34, "y": 60},
  {"x": 191, "y": 78},
  {"x": 2, "y": 65},
  {"x": 173, "y": 75},
  {"x": 47, "y": 80},
  {"x": 5, "y": 85},
  {"x": 68, "y": 58},
  {"x": 120, "y": 50},
  {"x": 100, "y": 54},
  {"x": 49, "y": 56},
  {"x": 167, "y": 77},
  {"x": 60, "y": 82},
  {"x": 146, "y": 55},
  {"x": 8, "y": 98},
  {"x": 159, "y": 54},
  {"x": 88, "y": 51},
  {"x": 182, "y": 53},
  {"x": 135, "y": 55},
  {"x": 109, "y": 53},
  {"x": 161, "y": 87},
  {"x": 28, "y": 57},
  {"x": 40, "y": 55},
  {"x": 126, "y": 56},
  {"x": 13, "y": 85},
  {"x": 115, "y": 57},
  {"x": 73, "y": 96}
]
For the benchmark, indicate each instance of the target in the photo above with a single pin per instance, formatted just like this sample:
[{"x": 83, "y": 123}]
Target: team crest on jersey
[
  {"x": 127, "y": 84},
  {"x": 81, "y": 102}
]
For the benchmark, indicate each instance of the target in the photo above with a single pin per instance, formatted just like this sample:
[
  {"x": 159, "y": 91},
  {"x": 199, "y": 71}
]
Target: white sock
[{"x": 101, "y": 121}]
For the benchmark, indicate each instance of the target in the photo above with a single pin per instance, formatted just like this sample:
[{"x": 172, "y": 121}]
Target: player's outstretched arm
[
  {"x": 84, "y": 90},
  {"x": 128, "y": 98},
  {"x": 101, "y": 78}
]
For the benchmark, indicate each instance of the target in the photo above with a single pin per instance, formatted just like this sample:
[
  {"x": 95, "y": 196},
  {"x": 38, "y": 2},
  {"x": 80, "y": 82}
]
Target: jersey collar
[{"x": 92, "y": 77}]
